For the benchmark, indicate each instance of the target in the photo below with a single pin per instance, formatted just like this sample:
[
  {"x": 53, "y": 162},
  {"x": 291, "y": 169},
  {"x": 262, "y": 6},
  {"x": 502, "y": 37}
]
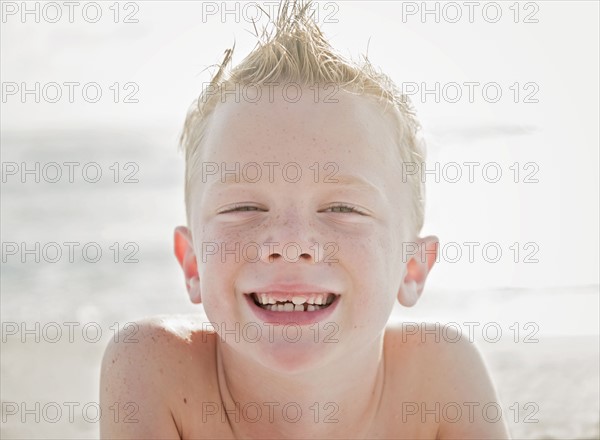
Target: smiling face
[{"x": 300, "y": 200}]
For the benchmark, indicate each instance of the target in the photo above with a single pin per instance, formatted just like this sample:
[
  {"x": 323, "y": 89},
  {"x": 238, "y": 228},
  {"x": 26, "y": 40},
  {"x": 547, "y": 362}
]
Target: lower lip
[{"x": 298, "y": 318}]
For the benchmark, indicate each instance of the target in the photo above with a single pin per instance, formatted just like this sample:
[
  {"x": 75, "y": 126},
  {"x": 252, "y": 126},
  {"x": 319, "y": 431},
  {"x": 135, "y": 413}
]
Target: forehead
[{"x": 321, "y": 126}]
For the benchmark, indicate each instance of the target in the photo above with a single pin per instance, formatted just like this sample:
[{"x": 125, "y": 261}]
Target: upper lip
[{"x": 292, "y": 289}]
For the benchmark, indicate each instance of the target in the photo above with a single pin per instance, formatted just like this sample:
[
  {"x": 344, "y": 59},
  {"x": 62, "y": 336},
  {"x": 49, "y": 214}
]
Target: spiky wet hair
[{"x": 292, "y": 48}]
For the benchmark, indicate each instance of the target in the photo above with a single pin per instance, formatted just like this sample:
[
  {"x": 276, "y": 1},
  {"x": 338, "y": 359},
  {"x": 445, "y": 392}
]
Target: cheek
[
  {"x": 370, "y": 268},
  {"x": 216, "y": 268},
  {"x": 224, "y": 250}
]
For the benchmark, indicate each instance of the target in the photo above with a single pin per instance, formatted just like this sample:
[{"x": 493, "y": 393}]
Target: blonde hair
[{"x": 295, "y": 50}]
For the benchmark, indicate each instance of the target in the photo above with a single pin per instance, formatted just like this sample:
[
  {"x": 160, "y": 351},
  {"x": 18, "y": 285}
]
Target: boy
[{"x": 298, "y": 225}]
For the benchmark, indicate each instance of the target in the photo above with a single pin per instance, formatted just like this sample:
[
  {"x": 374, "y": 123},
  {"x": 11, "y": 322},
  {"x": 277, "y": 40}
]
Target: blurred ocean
[
  {"x": 561, "y": 321},
  {"x": 105, "y": 213},
  {"x": 145, "y": 214}
]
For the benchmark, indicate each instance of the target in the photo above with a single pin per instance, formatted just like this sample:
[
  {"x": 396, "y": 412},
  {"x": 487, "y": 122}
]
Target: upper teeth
[{"x": 315, "y": 298}]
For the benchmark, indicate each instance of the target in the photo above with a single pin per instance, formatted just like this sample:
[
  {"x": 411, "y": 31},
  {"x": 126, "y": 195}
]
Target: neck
[{"x": 338, "y": 400}]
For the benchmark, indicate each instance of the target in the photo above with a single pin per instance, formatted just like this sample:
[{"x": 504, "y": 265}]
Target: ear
[
  {"x": 417, "y": 269},
  {"x": 184, "y": 251}
]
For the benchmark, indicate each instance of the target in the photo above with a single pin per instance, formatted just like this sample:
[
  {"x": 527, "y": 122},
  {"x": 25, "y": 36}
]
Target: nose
[
  {"x": 290, "y": 252},
  {"x": 291, "y": 238}
]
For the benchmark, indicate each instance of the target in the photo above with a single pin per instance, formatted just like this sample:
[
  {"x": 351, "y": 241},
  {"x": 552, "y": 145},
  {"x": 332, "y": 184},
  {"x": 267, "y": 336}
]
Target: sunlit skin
[{"x": 347, "y": 217}]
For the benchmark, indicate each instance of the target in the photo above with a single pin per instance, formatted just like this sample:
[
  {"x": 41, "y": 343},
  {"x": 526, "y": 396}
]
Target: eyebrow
[
  {"x": 347, "y": 180},
  {"x": 354, "y": 181}
]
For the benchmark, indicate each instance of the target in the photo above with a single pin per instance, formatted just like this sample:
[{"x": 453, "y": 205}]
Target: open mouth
[{"x": 303, "y": 303}]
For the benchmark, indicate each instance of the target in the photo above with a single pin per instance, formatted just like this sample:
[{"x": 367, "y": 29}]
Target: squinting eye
[
  {"x": 241, "y": 208},
  {"x": 344, "y": 209}
]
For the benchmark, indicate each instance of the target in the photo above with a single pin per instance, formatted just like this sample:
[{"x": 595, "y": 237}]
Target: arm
[{"x": 133, "y": 396}]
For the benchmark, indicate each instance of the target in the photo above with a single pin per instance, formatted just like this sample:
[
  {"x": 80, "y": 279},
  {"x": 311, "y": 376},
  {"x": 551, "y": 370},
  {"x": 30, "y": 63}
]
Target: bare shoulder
[
  {"x": 438, "y": 356},
  {"x": 154, "y": 343},
  {"x": 453, "y": 382},
  {"x": 429, "y": 345},
  {"x": 434, "y": 346},
  {"x": 147, "y": 371}
]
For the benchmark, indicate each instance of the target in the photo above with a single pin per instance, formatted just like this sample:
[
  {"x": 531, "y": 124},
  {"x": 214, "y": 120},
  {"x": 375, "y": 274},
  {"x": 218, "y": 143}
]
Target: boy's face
[{"x": 272, "y": 226}]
